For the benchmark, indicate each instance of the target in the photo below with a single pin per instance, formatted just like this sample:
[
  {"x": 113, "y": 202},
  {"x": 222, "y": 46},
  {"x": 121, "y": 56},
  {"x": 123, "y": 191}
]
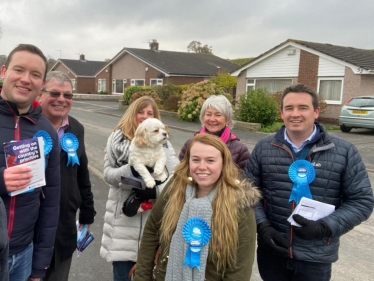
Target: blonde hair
[
  {"x": 128, "y": 123},
  {"x": 224, "y": 240}
]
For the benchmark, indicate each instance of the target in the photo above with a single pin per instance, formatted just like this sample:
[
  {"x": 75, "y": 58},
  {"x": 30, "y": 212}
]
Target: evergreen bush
[{"x": 257, "y": 106}]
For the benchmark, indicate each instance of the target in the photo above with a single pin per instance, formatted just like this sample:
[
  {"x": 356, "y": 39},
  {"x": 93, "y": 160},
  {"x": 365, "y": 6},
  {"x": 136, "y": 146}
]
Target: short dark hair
[
  {"x": 301, "y": 88},
  {"x": 31, "y": 49}
]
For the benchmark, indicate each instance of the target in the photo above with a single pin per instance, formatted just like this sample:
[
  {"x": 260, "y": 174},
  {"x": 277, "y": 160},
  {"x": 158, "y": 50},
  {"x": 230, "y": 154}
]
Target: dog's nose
[{"x": 165, "y": 134}]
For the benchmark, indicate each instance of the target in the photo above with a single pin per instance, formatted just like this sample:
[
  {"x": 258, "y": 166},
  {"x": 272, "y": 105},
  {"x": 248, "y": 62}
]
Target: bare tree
[{"x": 196, "y": 47}]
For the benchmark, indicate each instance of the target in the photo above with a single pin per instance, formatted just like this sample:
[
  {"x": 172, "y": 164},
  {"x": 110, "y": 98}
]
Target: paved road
[{"x": 356, "y": 257}]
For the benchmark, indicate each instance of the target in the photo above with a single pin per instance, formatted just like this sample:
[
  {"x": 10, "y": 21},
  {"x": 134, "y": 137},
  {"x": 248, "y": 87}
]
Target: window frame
[
  {"x": 158, "y": 83},
  {"x": 338, "y": 102},
  {"x": 134, "y": 80}
]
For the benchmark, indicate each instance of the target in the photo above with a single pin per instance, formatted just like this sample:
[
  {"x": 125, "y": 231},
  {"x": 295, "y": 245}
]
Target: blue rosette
[
  {"x": 69, "y": 143},
  {"x": 47, "y": 142},
  {"x": 196, "y": 232},
  {"x": 302, "y": 173}
]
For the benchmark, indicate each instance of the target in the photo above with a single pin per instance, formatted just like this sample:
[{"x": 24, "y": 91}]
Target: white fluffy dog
[{"x": 146, "y": 150}]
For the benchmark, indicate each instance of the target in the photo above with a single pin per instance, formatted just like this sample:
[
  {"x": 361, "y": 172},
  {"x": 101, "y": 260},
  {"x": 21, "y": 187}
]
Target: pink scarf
[{"x": 224, "y": 136}]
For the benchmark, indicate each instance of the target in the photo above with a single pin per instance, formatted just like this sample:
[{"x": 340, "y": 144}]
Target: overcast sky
[{"x": 234, "y": 28}]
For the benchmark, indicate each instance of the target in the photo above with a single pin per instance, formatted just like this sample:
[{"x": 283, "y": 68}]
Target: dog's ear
[
  {"x": 167, "y": 130},
  {"x": 141, "y": 137}
]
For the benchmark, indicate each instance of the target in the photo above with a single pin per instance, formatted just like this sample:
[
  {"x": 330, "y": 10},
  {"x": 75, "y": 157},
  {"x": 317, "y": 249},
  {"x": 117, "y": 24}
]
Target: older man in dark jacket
[
  {"x": 56, "y": 100},
  {"x": 336, "y": 175}
]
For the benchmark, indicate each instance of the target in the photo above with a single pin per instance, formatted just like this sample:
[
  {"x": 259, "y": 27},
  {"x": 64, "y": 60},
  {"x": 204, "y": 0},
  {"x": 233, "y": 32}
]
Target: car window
[{"x": 362, "y": 102}]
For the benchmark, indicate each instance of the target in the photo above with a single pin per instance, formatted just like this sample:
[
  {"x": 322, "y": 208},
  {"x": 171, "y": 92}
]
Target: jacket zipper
[
  {"x": 12, "y": 200},
  {"x": 293, "y": 202}
]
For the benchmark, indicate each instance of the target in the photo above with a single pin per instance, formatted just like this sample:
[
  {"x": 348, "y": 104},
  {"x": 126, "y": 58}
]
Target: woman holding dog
[
  {"x": 216, "y": 118},
  {"x": 204, "y": 220},
  {"x": 121, "y": 233}
]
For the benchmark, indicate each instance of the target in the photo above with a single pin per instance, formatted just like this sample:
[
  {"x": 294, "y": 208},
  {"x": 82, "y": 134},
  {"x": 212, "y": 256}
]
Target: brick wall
[{"x": 308, "y": 69}]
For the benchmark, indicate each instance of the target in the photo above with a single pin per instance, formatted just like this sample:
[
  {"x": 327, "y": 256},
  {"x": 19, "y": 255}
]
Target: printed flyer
[{"x": 28, "y": 153}]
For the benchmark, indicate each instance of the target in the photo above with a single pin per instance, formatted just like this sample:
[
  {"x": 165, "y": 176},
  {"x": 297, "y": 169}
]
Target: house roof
[
  {"x": 361, "y": 58},
  {"x": 82, "y": 67},
  {"x": 180, "y": 63}
]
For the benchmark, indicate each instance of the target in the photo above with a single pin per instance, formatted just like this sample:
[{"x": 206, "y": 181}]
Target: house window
[
  {"x": 118, "y": 86},
  {"x": 330, "y": 90},
  {"x": 137, "y": 82},
  {"x": 273, "y": 85},
  {"x": 250, "y": 85},
  {"x": 73, "y": 83},
  {"x": 102, "y": 85},
  {"x": 155, "y": 82}
]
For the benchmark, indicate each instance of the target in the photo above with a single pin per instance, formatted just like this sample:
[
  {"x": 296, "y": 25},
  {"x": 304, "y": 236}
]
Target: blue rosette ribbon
[
  {"x": 196, "y": 232},
  {"x": 69, "y": 143},
  {"x": 47, "y": 143},
  {"x": 302, "y": 173}
]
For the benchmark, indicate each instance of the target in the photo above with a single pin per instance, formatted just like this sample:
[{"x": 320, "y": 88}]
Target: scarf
[
  {"x": 117, "y": 152},
  {"x": 193, "y": 208},
  {"x": 118, "y": 149},
  {"x": 224, "y": 136}
]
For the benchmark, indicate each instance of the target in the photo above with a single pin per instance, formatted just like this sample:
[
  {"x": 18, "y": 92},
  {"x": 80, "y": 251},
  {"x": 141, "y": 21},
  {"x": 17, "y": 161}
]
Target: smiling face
[
  {"x": 145, "y": 113},
  {"x": 298, "y": 115},
  {"x": 55, "y": 108},
  {"x": 23, "y": 79},
  {"x": 213, "y": 120},
  {"x": 205, "y": 165}
]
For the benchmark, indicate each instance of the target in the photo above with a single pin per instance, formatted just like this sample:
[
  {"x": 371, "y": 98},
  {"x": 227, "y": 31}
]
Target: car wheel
[{"x": 345, "y": 129}]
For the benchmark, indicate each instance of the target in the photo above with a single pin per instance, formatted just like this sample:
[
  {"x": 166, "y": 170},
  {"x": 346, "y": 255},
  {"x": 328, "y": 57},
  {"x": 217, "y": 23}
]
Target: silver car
[{"x": 357, "y": 113}]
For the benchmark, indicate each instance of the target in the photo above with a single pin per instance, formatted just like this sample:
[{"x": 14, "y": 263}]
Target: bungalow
[
  {"x": 151, "y": 67},
  {"x": 337, "y": 73},
  {"x": 82, "y": 73}
]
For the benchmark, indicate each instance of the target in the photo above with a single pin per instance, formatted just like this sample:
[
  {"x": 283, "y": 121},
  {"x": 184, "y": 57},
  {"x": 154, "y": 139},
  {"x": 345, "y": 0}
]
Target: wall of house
[
  {"x": 181, "y": 80},
  {"x": 106, "y": 74},
  {"x": 127, "y": 67},
  {"x": 354, "y": 85},
  {"x": 308, "y": 69},
  {"x": 85, "y": 85},
  {"x": 367, "y": 85},
  {"x": 241, "y": 84},
  {"x": 278, "y": 65}
]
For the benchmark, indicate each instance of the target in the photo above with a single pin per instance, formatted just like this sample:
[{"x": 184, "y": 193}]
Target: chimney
[
  {"x": 81, "y": 57},
  {"x": 153, "y": 45}
]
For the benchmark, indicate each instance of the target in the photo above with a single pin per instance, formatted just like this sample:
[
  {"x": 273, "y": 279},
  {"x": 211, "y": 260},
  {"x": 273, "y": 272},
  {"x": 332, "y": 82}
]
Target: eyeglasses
[{"x": 56, "y": 94}]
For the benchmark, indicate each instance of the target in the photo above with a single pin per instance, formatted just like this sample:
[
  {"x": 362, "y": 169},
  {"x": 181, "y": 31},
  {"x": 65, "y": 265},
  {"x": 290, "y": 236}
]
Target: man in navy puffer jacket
[
  {"x": 305, "y": 253},
  {"x": 33, "y": 216}
]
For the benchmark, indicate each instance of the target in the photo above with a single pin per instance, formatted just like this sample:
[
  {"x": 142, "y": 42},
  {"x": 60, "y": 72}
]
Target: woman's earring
[{"x": 190, "y": 178}]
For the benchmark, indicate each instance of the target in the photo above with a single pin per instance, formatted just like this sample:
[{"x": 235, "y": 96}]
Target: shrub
[
  {"x": 166, "y": 91},
  {"x": 131, "y": 90},
  {"x": 103, "y": 93},
  {"x": 171, "y": 104},
  {"x": 193, "y": 98},
  {"x": 257, "y": 106},
  {"x": 151, "y": 94},
  {"x": 224, "y": 80}
]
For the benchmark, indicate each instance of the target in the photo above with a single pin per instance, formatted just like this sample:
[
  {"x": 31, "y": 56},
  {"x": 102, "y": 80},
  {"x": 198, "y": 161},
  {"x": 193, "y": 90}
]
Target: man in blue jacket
[
  {"x": 56, "y": 100},
  {"x": 303, "y": 160},
  {"x": 32, "y": 216}
]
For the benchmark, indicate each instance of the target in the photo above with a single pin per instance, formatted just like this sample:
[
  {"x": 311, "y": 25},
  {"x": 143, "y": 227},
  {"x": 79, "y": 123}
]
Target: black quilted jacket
[
  {"x": 341, "y": 180},
  {"x": 32, "y": 216}
]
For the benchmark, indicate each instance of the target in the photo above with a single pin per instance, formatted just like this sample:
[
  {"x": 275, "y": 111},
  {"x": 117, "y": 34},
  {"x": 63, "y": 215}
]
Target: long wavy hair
[
  {"x": 128, "y": 123},
  {"x": 224, "y": 240}
]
